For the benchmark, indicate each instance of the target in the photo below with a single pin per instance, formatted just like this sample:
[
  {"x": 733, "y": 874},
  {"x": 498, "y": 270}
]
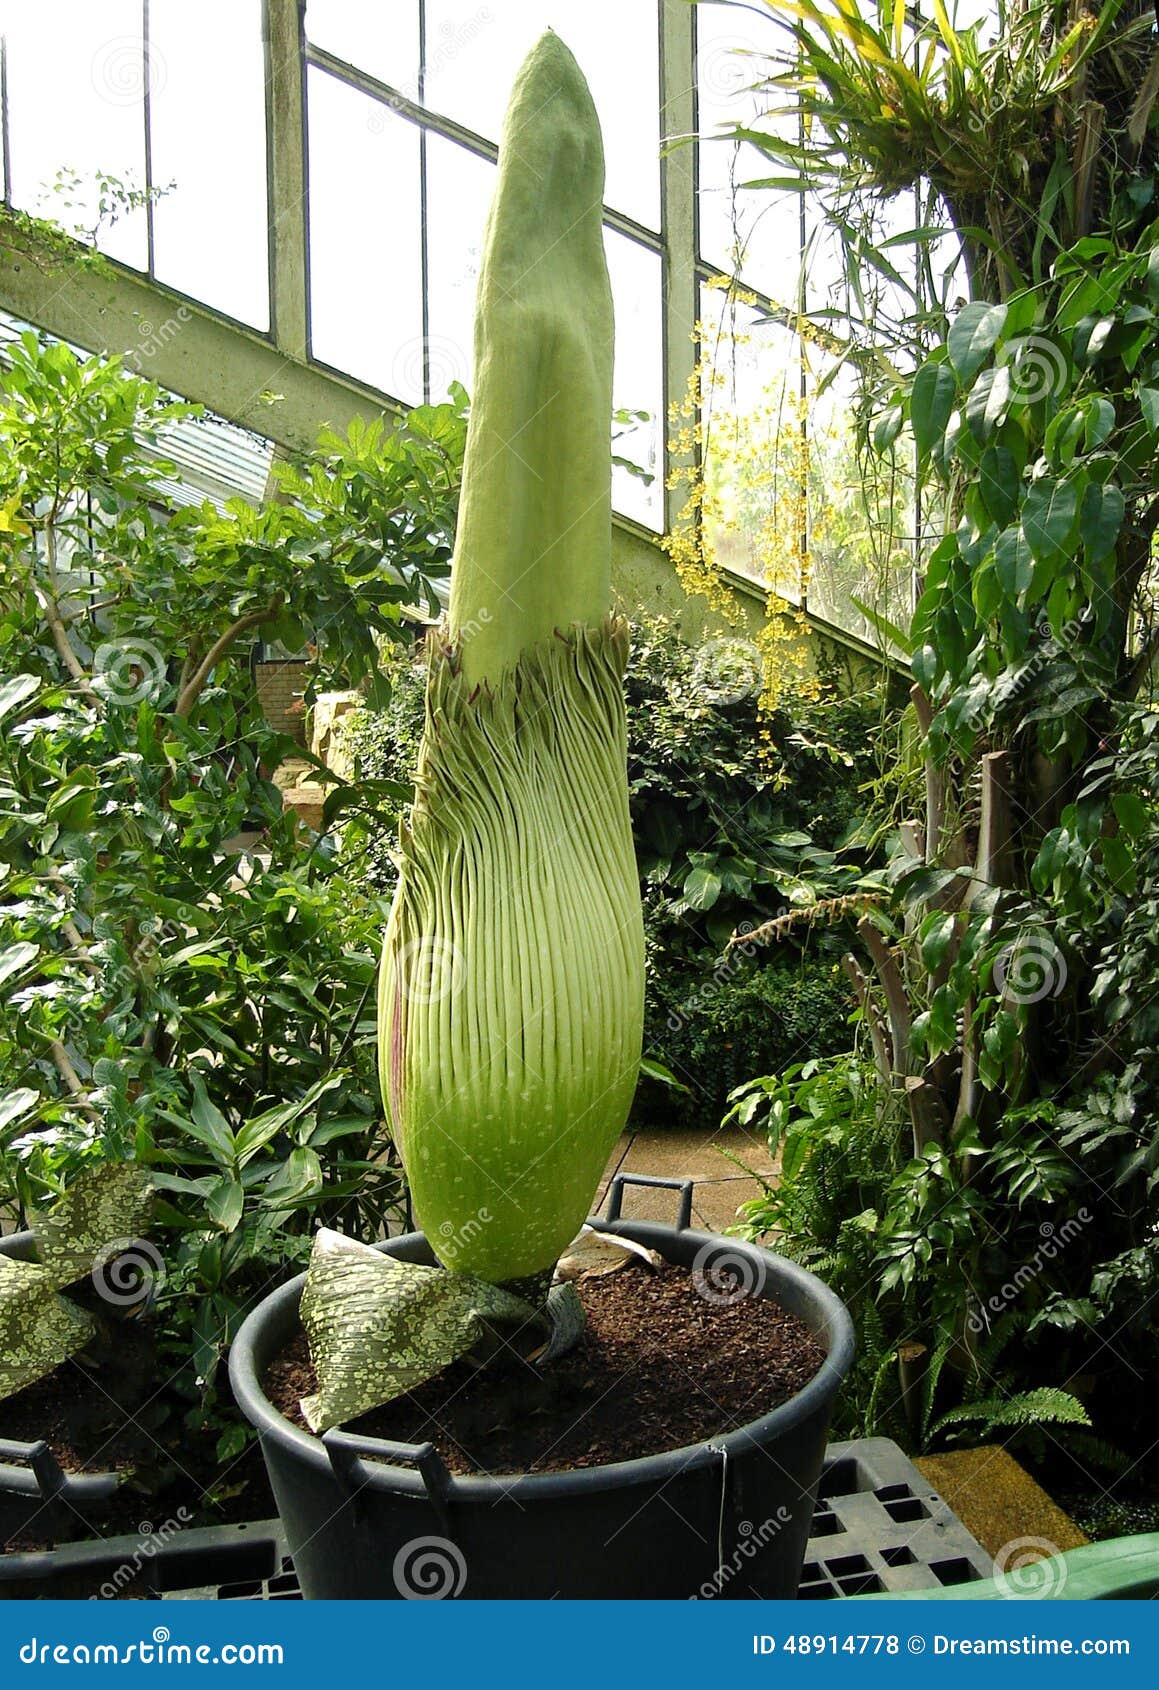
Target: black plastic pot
[
  {"x": 372, "y": 1520},
  {"x": 35, "y": 1493}
]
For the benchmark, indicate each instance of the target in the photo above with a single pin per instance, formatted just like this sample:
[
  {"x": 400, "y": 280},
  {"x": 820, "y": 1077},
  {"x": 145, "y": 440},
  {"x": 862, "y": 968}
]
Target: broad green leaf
[
  {"x": 1100, "y": 519},
  {"x": 378, "y": 1327},
  {"x": 1100, "y": 416},
  {"x": 1132, "y": 813},
  {"x": 1063, "y": 434},
  {"x": 261, "y": 1128},
  {"x": 887, "y": 428},
  {"x": 225, "y": 1203},
  {"x": 999, "y": 483},
  {"x": 943, "y": 1023},
  {"x": 1013, "y": 562},
  {"x": 1153, "y": 273},
  {"x": 998, "y": 398},
  {"x": 106, "y": 1203},
  {"x": 15, "y": 958},
  {"x": 926, "y": 667},
  {"x": 15, "y": 690},
  {"x": 213, "y": 1124},
  {"x": 1048, "y": 518},
  {"x": 937, "y": 932},
  {"x": 931, "y": 403},
  {"x": 986, "y": 591},
  {"x": 982, "y": 406},
  {"x": 657, "y": 1071},
  {"x": 14, "y": 1105},
  {"x": 973, "y": 336},
  {"x": 1149, "y": 405},
  {"x": 38, "y": 1328},
  {"x": 1090, "y": 338},
  {"x": 299, "y": 1176},
  {"x": 702, "y": 888}
]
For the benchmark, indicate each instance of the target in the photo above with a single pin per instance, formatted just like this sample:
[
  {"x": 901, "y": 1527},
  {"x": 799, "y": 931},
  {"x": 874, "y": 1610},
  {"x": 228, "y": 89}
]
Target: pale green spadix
[{"x": 511, "y": 991}]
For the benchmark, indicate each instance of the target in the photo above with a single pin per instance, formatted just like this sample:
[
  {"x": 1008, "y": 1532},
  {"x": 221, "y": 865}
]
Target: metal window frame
[{"x": 203, "y": 365}]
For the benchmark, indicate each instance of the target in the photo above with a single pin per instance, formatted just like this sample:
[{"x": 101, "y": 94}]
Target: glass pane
[
  {"x": 380, "y": 37},
  {"x": 459, "y": 190},
  {"x": 638, "y": 384},
  {"x": 473, "y": 53},
  {"x": 861, "y": 518},
  {"x": 209, "y": 140},
  {"x": 365, "y": 248},
  {"x": 750, "y": 438},
  {"x": 755, "y": 228},
  {"x": 76, "y": 82}
]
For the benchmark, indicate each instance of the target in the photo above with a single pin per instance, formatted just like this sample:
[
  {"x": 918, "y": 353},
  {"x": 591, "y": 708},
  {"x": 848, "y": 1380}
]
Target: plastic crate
[{"x": 878, "y": 1526}]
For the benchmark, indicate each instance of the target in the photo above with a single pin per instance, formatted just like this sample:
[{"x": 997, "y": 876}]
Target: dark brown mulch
[
  {"x": 659, "y": 1367},
  {"x": 84, "y": 1408},
  {"x": 108, "y": 1409}
]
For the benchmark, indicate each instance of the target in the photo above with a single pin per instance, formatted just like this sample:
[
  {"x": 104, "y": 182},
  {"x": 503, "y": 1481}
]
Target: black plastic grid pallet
[{"x": 878, "y": 1526}]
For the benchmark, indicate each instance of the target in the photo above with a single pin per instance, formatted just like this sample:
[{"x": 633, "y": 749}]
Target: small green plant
[{"x": 908, "y": 1245}]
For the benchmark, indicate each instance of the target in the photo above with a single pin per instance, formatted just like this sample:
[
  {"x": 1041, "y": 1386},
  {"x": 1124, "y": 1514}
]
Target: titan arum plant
[{"x": 512, "y": 982}]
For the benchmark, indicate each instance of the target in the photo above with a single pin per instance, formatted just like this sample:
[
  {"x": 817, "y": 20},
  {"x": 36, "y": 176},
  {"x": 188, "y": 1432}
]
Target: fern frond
[{"x": 1042, "y": 1406}]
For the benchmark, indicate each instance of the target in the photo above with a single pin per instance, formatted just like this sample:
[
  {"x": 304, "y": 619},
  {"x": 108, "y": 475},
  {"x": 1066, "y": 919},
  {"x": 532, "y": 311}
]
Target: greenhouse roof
[{"x": 214, "y": 459}]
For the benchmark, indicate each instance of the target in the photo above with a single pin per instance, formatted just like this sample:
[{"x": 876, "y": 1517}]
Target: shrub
[
  {"x": 167, "y": 995},
  {"x": 732, "y": 1021}
]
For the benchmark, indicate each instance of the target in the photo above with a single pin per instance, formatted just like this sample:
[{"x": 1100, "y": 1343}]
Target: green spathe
[
  {"x": 533, "y": 546},
  {"x": 512, "y": 983}
]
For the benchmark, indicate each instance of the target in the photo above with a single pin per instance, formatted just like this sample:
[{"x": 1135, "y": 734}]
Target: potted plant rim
[
  {"x": 663, "y": 1454},
  {"x": 66, "y": 1285}
]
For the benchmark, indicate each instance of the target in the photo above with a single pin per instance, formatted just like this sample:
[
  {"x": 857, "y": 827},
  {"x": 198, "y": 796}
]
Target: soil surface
[
  {"x": 108, "y": 1409},
  {"x": 659, "y": 1366}
]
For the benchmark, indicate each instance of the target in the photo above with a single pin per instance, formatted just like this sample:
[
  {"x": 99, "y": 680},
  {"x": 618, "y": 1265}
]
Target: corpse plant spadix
[{"x": 511, "y": 991}]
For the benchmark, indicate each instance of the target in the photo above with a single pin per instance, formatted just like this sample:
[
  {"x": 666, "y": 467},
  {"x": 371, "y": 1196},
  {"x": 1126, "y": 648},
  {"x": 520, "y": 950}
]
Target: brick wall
[{"x": 279, "y": 694}]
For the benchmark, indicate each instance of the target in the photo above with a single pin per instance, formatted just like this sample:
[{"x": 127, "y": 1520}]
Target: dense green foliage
[
  {"x": 170, "y": 991},
  {"x": 1021, "y": 944},
  {"x": 987, "y": 1200}
]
